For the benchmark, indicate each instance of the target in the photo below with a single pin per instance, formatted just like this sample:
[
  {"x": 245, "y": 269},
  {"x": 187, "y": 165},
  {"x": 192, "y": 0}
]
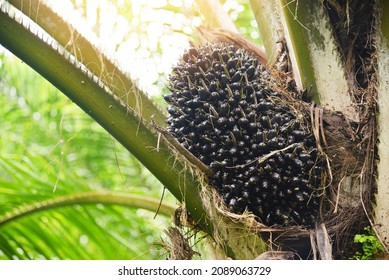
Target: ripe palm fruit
[{"x": 264, "y": 158}]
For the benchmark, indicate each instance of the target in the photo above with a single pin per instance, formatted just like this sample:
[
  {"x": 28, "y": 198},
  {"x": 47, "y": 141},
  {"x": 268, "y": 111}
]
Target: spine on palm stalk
[{"x": 262, "y": 153}]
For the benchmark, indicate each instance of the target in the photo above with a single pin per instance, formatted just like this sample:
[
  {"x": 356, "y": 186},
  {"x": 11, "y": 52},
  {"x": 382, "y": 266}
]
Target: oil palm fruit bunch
[{"x": 264, "y": 158}]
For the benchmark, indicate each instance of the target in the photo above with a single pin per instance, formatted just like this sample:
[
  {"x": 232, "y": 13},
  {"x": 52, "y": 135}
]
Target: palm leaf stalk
[
  {"x": 267, "y": 16},
  {"x": 213, "y": 12},
  {"x": 313, "y": 53},
  {"x": 98, "y": 197}
]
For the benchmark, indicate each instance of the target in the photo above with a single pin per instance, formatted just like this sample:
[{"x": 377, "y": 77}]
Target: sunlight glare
[{"x": 145, "y": 43}]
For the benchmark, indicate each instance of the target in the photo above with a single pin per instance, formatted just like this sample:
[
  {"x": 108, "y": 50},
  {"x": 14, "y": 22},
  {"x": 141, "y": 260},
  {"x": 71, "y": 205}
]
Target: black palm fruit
[{"x": 264, "y": 158}]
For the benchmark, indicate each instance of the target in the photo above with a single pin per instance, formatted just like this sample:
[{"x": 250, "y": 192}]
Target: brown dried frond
[{"x": 220, "y": 35}]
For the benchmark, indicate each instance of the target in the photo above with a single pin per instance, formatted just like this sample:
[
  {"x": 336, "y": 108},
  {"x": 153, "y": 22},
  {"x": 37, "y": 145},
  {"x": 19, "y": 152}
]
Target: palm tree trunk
[{"x": 381, "y": 208}]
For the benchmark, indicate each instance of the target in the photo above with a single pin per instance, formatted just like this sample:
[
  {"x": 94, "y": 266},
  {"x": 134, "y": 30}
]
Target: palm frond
[
  {"x": 269, "y": 25},
  {"x": 34, "y": 216}
]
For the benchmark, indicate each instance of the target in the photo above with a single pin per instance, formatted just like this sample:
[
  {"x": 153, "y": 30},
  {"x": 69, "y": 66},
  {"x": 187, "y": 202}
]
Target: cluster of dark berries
[{"x": 264, "y": 159}]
